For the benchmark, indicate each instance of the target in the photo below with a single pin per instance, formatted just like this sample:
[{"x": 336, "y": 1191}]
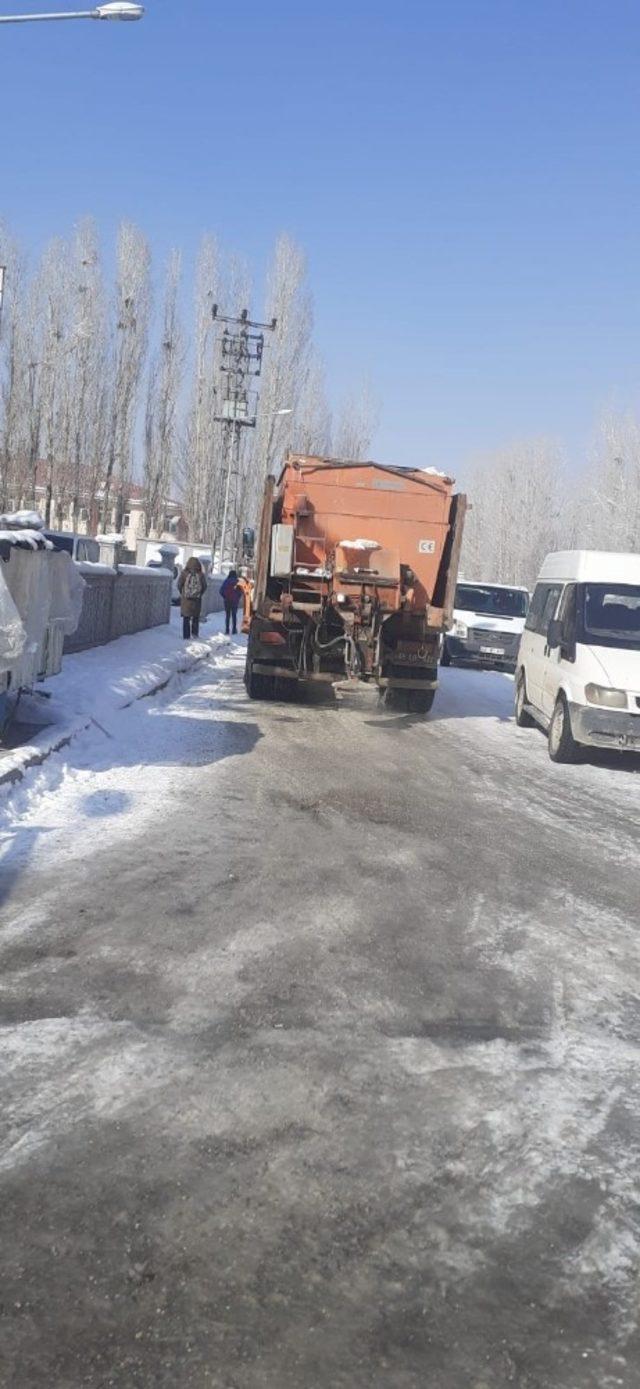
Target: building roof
[{"x": 135, "y": 491}]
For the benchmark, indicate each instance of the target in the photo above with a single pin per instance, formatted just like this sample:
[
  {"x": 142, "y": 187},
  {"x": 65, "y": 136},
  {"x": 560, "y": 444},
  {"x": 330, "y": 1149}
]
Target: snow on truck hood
[{"x": 484, "y": 622}]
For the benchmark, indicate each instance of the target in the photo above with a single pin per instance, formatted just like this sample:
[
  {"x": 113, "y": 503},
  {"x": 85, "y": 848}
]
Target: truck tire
[
  {"x": 420, "y": 701},
  {"x": 258, "y": 686},
  {"x": 523, "y": 719},
  {"x": 561, "y": 742},
  {"x": 396, "y": 699},
  {"x": 445, "y": 659}
]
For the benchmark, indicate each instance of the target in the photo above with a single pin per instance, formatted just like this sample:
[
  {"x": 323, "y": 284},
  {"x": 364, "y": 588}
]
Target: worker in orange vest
[{"x": 246, "y": 584}]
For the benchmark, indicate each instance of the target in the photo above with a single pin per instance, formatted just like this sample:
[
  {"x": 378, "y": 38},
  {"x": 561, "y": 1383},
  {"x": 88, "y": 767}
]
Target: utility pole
[{"x": 241, "y": 349}]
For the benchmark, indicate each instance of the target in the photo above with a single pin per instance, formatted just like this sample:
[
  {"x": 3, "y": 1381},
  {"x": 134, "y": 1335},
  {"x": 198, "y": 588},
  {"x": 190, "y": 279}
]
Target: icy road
[{"x": 320, "y": 1051}]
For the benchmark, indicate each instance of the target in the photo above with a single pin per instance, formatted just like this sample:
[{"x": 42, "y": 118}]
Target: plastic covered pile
[{"x": 39, "y": 590}]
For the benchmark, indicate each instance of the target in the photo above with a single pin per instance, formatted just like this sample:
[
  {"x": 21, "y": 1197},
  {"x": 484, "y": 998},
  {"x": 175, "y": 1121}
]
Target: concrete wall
[
  {"x": 212, "y": 602},
  {"x": 115, "y": 603}
]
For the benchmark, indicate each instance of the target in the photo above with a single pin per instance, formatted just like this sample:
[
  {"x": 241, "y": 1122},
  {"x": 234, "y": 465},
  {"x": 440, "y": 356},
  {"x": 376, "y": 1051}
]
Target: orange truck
[{"x": 355, "y": 579}]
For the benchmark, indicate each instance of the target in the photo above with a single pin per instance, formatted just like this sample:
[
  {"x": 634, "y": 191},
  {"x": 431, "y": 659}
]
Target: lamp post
[{"x": 115, "y": 9}]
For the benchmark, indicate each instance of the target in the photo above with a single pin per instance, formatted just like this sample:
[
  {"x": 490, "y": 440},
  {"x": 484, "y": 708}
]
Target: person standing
[
  {"x": 247, "y": 586},
  {"x": 191, "y": 586},
  {"x": 231, "y": 594}
]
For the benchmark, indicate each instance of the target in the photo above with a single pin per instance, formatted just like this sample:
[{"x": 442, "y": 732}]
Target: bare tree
[
  {"x": 14, "y": 354},
  {"x": 88, "y": 371},
  {"x": 52, "y": 371},
  {"x": 162, "y": 402},
  {"x": 517, "y": 513},
  {"x": 608, "y": 508},
  {"x": 356, "y": 424},
  {"x": 200, "y": 452},
  {"x": 129, "y": 346},
  {"x": 286, "y": 365},
  {"x": 311, "y": 427}
]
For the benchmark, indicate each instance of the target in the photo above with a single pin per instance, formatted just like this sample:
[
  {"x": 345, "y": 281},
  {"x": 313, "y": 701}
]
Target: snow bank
[{"x": 96, "y": 683}]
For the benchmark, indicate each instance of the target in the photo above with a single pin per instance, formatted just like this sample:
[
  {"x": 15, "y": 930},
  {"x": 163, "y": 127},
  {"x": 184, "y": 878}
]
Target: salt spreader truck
[{"x": 355, "y": 579}]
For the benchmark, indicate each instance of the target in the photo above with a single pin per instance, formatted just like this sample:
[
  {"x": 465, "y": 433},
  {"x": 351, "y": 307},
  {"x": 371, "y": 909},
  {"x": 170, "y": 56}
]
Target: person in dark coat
[
  {"x": 191, "y": 586},
  {"x": 231, "y": 593}
]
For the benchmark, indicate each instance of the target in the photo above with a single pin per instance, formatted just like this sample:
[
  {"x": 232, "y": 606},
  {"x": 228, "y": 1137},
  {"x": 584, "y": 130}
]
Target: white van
[
  {"x": 488, "y": 621},
  {"x": 578, "y": 672}
]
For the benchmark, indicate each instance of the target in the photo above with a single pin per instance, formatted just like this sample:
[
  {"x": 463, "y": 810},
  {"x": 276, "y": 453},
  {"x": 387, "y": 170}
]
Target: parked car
[
  {"x": 488, "y": 621},
  {"x": 80, "y": 547},
  {"x": 578, "y": 670}
]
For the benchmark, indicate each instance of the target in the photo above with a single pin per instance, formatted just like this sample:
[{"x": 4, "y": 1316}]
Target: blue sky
[{"x": 463, "y": 177}]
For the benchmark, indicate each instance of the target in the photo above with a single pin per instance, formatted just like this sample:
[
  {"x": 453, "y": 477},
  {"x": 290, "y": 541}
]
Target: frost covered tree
[
  {"x": 607, "y": 510},
  {"x": 200, "y": 457},
  {"x": 311, "y": 426},
  {"x": 130, "y": 332},
  {"x": 52, "y": 373},
  {"x": 88, "y": 365},
  {"x": 286, "y": 364},
  {"x": 74, "y": 360},
  {"x": 162, "y": 403},
  {"x": 16, "y": 349},
  {"x": 356, "y": 424},
  {"x": 517, "y": 512}
]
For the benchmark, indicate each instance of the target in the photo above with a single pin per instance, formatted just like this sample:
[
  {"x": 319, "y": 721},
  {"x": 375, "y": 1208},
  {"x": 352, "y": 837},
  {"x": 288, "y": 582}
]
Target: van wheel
[
  {"x": 562, "y": 744},
  {"x": 523, "y": 719}
]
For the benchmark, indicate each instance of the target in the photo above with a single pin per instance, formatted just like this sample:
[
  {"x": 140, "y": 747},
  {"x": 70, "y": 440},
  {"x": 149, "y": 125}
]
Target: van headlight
[
  {"x": 607, "y": 699},
  {"x": 460, "y": 629}
]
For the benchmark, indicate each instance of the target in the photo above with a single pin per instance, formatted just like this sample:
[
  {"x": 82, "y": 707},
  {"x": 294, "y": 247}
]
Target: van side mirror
[{"x": 555, "y": 633}]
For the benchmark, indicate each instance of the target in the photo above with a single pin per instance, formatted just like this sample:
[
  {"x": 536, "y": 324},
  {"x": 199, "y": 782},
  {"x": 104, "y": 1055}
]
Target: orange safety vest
[{"x": 247, "y": 592}]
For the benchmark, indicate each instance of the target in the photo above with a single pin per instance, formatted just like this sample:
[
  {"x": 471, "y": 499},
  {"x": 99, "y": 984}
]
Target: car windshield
[
  {"x": 495, "y": 602},
  {"x": 612, "y": 611}
]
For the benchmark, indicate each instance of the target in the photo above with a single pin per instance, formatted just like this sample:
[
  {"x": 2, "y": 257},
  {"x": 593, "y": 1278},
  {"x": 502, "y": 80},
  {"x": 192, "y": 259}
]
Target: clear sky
[{"x": 463, "y": 175}]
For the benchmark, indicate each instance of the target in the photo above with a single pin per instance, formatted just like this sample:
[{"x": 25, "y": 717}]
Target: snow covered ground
[
  {"x": 94, "y": 684},
  {"x": 320, "y": 1062}
]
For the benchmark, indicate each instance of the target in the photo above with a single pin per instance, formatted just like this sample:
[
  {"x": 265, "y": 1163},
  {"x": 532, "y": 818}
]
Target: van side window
[
  {"x": 543, "y": 607},
  {"x": 568, "y": 615},
  {"x": 536, "y": 608},
  {"x": 551, "y": 606}
]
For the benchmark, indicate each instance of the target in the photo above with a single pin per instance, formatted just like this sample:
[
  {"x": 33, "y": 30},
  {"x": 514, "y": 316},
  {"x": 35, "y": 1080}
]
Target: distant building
[{"x": 89, "y": 520}]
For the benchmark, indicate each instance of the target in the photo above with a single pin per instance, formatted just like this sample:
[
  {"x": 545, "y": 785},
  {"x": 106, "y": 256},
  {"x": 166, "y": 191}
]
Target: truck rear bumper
[
  {"x": 330, "y": 677},
  {"x": 286, "y": 673}
]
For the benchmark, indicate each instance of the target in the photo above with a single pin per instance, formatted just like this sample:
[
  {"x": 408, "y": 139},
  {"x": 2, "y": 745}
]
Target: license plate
[{"x": 491, "y": 651}]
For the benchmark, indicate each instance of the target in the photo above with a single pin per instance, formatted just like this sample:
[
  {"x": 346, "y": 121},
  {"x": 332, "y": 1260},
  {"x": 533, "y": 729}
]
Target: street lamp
[{"x": 115, "y": 9}]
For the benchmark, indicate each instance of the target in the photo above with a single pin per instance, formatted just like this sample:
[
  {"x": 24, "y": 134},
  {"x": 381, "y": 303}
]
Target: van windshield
[
  {"x": 611, "y": 614},
  {"x": 495, "y": 602}
]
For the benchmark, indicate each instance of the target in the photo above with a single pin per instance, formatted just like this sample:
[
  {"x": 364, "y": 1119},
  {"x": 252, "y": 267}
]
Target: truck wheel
[
  {"x": 523, "y": 719},
  {"x": 396, "y": 699},
  {"x": 562, "y": 744},
  {"x": 445, "y": 659},
  {"x": 420, "y": 701},
  {"x": 258, "y": 686}
]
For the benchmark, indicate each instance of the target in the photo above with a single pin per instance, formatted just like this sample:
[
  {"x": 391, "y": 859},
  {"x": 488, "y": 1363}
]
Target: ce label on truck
[{"x": 426, "y": 547}]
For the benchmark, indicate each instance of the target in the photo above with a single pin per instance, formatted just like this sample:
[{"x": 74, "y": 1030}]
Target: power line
[{"x": 240, "y": 363}]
